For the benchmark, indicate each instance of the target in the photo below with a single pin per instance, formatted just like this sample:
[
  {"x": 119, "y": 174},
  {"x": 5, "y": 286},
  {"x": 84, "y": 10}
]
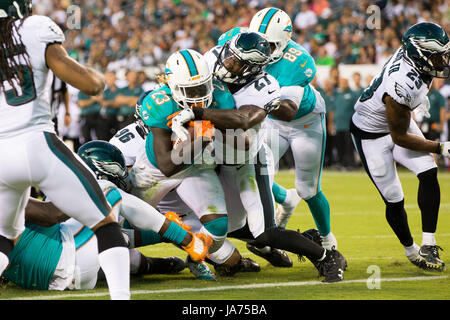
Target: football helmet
[
  {"x": 189, "y": 79},
  {"x": 242, "y": 58},
  {"x": 17, "y": 9},
  {"x": 106, "y": 161},
  {"x": 427, "y": 48},
  {"x": 276, "y": 25}
]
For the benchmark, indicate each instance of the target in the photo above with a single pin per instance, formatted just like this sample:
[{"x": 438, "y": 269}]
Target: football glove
[
  {"x": 445, "y": 148},
  {"x": 423, "y": 109},
  {"x": 179, "y": 121},
  {"x": 272, "y": 105}
]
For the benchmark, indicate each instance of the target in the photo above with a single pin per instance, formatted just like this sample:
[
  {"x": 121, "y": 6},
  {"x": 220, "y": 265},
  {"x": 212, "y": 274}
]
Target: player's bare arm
[
  {"x": 163, "y": 146},
  {"x": 399, "y": 118},
  {"x": 43, "y": 213},
  {"x": 286, "y": 112},
  {"x": 68, "y": 70},
  {"x": 243, "y": 118}
]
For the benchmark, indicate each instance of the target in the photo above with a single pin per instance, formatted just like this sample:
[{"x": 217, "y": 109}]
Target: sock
[
  {"x": 147, "y": 237},
  {"x": 428, "y": 239},
  {"x": 411, "y": 251},
  {"x": 115, "y": 263},
  {"x": 175, "y": 233},
  {"x": 135, "y": 261},
  {"x": 397, "y": 219},
  {"x": 429, "y": 199},
  {"x": 320, "y": 210},
  {"x": 4, "y": 261},
  {"x": 279, "y": 192}
]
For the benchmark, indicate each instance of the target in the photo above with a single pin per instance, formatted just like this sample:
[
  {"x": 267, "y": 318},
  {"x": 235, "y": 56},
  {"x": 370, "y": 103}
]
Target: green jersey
[
  {"x": 159, "y": 105},
  {"x": 126, "y": 110},
  {"x": 90, "y": 109}
]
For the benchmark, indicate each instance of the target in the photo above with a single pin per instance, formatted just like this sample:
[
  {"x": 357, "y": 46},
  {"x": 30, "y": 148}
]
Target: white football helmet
[
  {"x": 277, "y": 26},
  {"x": 189, "y": 79}
]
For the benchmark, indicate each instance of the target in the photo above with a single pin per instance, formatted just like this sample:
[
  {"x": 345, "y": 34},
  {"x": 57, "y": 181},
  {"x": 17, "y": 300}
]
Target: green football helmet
[
  {"x": 106, "y": 161},
  {"x": 242, "y": 58},
  {"x": 17, "y": 9},
  {"x": 427, "y": 48}
]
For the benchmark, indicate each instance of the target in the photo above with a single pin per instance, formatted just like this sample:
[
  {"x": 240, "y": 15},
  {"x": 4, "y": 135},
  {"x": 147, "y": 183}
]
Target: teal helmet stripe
[
  {"x": 266, "y": 20},
  {"x": 190, "y": 62}
]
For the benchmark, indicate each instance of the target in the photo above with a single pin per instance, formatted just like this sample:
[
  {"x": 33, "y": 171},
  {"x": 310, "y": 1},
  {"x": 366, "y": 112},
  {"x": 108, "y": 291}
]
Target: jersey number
[
  {"x": 23, "y": 94},
  {"x": 260, "y": 84},
  {"x": 292, "y": 54},
  {"x": 158, "y": 100},
  {"x": 124, "y": 135}
]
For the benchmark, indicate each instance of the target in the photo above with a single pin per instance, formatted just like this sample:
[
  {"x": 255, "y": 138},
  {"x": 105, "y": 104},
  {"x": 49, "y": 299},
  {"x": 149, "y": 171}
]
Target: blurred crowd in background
[{"x": 130, "y": 41}]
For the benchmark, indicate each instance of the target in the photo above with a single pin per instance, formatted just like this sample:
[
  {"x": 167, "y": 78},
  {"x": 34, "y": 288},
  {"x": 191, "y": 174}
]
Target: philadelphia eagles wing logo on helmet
[{"x": 110, "y": 168}]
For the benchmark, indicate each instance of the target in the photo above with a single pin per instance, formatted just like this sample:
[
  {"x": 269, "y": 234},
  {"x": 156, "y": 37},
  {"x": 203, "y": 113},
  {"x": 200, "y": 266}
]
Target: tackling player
[
  {"x": 239, "y": 63},
  {"x": 384, "y": 133},
  {"x": 31, "y": 46},
  {"x": 300, "y": 120}
]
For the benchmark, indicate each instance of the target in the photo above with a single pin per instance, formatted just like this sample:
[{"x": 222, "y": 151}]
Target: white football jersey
[
  {"x": 26, "y": 110},
  {"x": 260, "y": 91},
  {"x": 130, "y": 140},
  {"x": 401, "y": 82}
]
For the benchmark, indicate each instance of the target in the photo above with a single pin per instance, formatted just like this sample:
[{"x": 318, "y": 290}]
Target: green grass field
[{"x": 364, "y": 238}]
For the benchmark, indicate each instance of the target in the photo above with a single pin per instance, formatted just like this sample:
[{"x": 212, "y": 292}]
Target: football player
[
  {"x": 239, "y": 63},
  {"x": 384, "y": 133},
  {"x": 189, "y": 82},
  {"x": 31, "y": 46},
  {"x": 130, "y": 140},
  {"x": 65, "y": 255},
  {"x": 300, "y": 120}
]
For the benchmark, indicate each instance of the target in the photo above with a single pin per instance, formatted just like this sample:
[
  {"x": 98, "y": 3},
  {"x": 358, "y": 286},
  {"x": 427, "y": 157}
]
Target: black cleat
[
  {"x": 169, "y": 265},
  {"x": 276, "y": 257},
  {"x": 331, "y": 267},
  {"x": 244, "y": 265},
  {"x": 428, "y": 259}
]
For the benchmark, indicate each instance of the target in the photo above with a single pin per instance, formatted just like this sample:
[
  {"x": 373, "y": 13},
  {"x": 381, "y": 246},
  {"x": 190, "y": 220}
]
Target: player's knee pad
[
  {"x": 393, "y": 193},
  {"x": 110, "y": 236},
  {"x": 217, "y": 229},
  {"x": 223, "y": 253},
  {"x": 6, "y": 245}
]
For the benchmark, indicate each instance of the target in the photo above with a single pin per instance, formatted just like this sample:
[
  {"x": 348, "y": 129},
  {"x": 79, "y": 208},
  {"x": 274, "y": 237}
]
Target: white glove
[
  {"x": 272, "y": 105},
  {"x": 178, "y": 123},
  {"x": 445, "y": 148},
  {"x": 142, "y": 178},
  {"x": 423, "y": 109}
]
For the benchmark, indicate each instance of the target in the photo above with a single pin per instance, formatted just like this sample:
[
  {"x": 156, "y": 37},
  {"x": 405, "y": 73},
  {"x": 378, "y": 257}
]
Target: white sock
[
  {"x": 115, "y": 263},
  {"x": 412, "y": 250},
  {"x": 4, "y": 261},
  {"x": 428, "y": 239},
  {"x": 135, "y": 260}
]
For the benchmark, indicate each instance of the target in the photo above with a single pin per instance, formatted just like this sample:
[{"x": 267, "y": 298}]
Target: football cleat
[
  {"x": 244, "y": 265},
  {"x": 428, "y": 258},
  {"x": 172, "y": 216},
  {"x": 276, "y": 257},
  {"x": 199, "y": 246},
  {"x": 169, "y": 265},
  {"x": 284, "y": 211},
  {"x": 200, "y": 270},
  {"x": 331, "y": 266}
]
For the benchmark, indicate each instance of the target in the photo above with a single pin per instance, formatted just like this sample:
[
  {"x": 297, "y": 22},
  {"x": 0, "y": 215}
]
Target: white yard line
[{"x": 222, "y": 288}]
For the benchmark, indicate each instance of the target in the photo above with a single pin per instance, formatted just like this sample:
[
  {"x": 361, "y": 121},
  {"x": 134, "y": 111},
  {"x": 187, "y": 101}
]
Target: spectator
[
  {"x": 343, "y": 112},
  {"x": 328, "y": 92},
  {"x": 109, "y": 113},
  {"x": 90, "y": 116},
  {"x": 127, "y": 98},
  {"x": 306, "y": 18}
]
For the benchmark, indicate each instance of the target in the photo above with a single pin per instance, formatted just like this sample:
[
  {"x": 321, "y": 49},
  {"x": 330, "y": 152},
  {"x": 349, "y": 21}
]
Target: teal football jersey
[
  {"x": 159, "y": 105},
  {"x": 296, "y": 68},
  {"x": 230, "y": 34}
]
